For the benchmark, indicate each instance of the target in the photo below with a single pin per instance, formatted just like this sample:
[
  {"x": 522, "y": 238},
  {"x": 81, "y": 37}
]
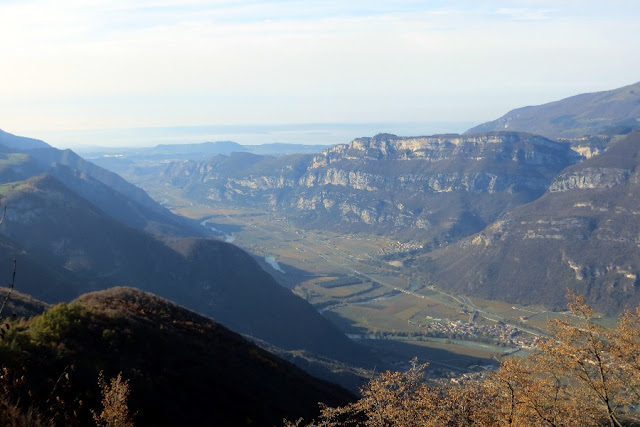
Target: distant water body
[{"x": 318, "y": 133}]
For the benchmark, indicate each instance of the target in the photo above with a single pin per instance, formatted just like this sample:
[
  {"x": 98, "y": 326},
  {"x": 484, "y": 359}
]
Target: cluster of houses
[
  {"x": 499, "y": 333},
  {"x": 399, "y": 247}
]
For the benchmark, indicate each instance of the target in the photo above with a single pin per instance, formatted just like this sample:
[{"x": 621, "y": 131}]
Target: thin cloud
[
  {"x": 525, "y": 14},
  {"x": 110, "y": 62}
]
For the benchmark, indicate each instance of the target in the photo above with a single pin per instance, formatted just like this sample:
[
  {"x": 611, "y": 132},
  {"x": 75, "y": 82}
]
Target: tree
[
  {"x": 597, "y": 365},
  {"x": 583, "y": 374},
  {"x": 115, "y": 409}
]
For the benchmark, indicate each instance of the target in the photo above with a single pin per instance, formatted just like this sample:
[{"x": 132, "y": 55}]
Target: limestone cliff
[
  {"x": 584, "y": 233},
  {"x": 442, "y": 186}
]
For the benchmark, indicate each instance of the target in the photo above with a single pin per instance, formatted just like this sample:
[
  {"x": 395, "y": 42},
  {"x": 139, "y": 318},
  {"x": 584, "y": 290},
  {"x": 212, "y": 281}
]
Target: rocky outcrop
[
  {"x": 583, "y": 234},
  {"x": 590, "y": 178},
  {"x": 443, "y": 186},
  {"x": 519, "y": 147}
]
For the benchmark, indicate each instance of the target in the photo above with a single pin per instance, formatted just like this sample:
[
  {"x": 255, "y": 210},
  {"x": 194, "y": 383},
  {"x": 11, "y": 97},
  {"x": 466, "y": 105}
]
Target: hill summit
[
  {"x": 574, "y": 117},
  {"x": 182, "y": 368}
]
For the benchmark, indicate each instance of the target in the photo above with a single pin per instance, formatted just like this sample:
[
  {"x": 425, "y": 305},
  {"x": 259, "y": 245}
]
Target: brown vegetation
[
  {"x": 169, "y": 366},
  {"x": 115, "y": 409},
  {"x": 584, "y": 374}
]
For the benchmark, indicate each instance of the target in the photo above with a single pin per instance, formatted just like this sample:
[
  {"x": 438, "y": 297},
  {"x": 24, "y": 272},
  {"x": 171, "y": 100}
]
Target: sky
[{"x": 122, "y": 72}]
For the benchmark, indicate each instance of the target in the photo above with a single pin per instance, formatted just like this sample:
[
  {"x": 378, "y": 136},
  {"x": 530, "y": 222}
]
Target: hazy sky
[{"x": 113, "y": 64}]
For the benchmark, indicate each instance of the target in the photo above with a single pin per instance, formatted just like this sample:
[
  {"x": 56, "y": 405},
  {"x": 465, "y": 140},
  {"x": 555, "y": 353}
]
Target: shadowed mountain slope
[
  {"x": 56, "y": 227},
  {"x": 22, "y": 158},
  {"x": 584, "y": 233}
]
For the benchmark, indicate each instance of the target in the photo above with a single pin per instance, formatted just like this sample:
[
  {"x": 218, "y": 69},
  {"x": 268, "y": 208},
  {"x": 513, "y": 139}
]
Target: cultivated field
[{"x": 381, "y": 303}]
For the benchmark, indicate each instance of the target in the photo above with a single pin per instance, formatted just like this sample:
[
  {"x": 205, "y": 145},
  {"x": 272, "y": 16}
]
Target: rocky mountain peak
[
  {"x": 441, "y": 185},
  {"x": 520, "y": 147}
]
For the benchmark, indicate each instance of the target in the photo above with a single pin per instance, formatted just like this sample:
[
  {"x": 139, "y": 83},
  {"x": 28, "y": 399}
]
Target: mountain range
[
  {"x": 193, "y": 151},
  {"x": 23, "y": 158},
  {"x": 437, "y": 188},
  {"x": 75, "y": 227},
  {"x": 441, "y": 191},
  {"x": 500, "y": 214}
]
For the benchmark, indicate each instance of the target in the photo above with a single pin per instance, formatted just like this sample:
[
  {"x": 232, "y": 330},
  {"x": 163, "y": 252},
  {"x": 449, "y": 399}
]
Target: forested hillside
[{"x": 180, "y": 368}]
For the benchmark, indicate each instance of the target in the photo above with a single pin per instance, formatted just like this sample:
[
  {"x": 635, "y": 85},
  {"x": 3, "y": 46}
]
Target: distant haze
[
  {"x": 316, "y": 134},
  {"x": 116, "y": 64}
]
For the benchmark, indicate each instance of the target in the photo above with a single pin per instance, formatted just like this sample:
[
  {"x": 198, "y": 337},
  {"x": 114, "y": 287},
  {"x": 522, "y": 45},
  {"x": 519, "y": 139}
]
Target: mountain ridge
[
  {"x": 574, "y": 117},
  {"x": 182, "y": 368},
  {"x": 386, "y": 183},
  {"x": 95, "y": 183},
  {"x": 74, "y": 227},
  {"x": 215, "y": 278},
  {"x": 20, "y": 142},
  {"x": 582, "y": 234}
]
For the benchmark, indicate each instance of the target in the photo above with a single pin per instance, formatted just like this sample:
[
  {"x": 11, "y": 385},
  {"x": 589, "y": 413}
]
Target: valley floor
[{"x": 360, "y": 283}]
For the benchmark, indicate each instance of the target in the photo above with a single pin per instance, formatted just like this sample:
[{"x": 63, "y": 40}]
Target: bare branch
[{"x": 11, "y": 286}]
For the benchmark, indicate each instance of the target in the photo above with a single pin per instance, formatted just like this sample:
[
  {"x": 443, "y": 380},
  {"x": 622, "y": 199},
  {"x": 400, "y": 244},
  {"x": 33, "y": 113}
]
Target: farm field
[{"x": 347, "y": 279}]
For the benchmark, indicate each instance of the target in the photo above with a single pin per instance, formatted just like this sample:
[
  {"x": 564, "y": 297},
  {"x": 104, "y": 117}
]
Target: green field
[
  {"x": 346, "y": 278},
  {"x": 439, "y": 355}
]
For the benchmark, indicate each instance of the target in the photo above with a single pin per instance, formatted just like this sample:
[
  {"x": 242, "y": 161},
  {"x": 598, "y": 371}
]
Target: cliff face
[
  {"x": 590, "y": 178},
  {"x": 443, "y": 186},
  {"x": 530, "y": 149},
  {"x": 583, "y": 234}
]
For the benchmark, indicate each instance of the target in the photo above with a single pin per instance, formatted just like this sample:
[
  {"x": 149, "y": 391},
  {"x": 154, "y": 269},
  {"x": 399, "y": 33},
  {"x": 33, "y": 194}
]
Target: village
[{"x": 498, "y": 334}]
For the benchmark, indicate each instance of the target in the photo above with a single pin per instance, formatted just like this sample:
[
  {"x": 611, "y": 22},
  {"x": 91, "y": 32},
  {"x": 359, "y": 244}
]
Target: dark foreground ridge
[{"x": 184, "y": 368}]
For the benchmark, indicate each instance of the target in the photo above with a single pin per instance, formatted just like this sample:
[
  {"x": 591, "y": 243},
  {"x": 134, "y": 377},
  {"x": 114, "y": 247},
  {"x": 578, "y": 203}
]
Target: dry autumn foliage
[
  {"x": 584, "y": 374},
  {"x": 115, "y": 409}
]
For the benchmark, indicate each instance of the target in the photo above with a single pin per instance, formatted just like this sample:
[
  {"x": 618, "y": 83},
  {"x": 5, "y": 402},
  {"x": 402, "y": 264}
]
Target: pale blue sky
[{"x": 80, "y": 65}]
